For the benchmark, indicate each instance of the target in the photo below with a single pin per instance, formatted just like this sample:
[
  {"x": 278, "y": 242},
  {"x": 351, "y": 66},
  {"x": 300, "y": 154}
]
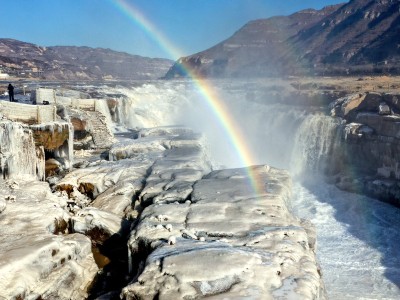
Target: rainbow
[{"x": 221, "y": 112}]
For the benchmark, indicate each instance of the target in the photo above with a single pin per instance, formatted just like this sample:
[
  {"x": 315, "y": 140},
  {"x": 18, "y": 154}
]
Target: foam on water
[{"x": 358, "y": 241}]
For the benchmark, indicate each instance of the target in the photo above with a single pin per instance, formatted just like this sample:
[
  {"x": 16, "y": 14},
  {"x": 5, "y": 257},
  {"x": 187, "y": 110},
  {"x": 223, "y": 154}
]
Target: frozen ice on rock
[
  {"x": 92, "y": 220},
  {"x": 36, "y": 260},
  {"x": 172, "y": 177},
  {"x": 18, "y": 151},
  {"x": 168, "y": 227},
  {"x": 207, "y": 234},
  {"x": 3, "y": 204},
  {"x": 234, "y": 244},
  {"x": 94, "y": 180},
  {"x": 178, "y": 159},
  {"x": 113, "y": 185},
  {"x": 136, "y": 148},
  {"x": 172, "y": 240}
]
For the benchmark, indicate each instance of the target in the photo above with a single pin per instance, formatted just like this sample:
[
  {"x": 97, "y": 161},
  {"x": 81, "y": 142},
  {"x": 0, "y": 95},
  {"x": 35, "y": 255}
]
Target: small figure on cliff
[{"x": 11, "y": 92}]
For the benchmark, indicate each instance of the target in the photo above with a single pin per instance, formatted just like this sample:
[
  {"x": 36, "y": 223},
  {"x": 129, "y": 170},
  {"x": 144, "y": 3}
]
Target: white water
[{"x": 358, "y": 238}]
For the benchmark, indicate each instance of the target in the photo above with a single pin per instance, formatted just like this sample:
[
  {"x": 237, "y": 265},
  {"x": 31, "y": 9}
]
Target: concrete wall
[
  {"x": 28, "y": 114},
  {"x": 84, "y": 104},
  {"x": 43, "y": 94}
]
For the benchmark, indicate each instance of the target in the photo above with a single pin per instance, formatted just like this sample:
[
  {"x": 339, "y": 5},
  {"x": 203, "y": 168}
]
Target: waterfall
[
  {"x": 281, "y": 135},
  {"x": 304, "y": 140},
  {"x": 314, "y": 145},
  {"x": 151, "y": 105}
]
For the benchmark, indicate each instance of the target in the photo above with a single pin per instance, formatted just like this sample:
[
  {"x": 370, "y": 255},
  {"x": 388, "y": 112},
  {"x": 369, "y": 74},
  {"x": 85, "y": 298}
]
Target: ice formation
[{"x": 184, "y": 230}]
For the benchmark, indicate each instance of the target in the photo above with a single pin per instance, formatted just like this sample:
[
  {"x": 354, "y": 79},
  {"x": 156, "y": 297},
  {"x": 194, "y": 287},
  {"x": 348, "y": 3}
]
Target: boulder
[{"x": 348, "y": 107}]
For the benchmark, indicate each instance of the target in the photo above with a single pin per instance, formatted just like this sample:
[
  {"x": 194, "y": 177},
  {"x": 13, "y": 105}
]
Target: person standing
[{"x": 11, "y": 92}]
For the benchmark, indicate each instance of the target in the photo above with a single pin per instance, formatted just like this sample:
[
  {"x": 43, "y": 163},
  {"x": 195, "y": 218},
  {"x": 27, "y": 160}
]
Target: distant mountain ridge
[
  {"x": 358, "y": 37},
  {"x": 76, "y": 63}
]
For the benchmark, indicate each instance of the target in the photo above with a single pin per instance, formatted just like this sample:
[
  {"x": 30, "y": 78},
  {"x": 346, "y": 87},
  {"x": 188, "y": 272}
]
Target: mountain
[
  {"x": 358, "y": 37},
  {"x": 76, "y": 63}
]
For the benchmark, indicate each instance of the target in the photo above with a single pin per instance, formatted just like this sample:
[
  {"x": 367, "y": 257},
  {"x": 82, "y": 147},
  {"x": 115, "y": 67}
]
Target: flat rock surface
[{"x": 227, "y": 242}]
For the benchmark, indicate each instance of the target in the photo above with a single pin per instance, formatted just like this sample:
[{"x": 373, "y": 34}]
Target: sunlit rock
[
  {"x": 97, "y": 224},
  {"x": 229, "y": 242},
  {"x": 37, "y": 261},
  {"x": 371, "y": 135},
  {"x": 348, "y": 107},
  {"x": 3, "y": 203}
]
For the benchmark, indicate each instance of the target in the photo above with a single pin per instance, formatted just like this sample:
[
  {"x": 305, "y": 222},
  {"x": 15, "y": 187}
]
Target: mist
[
  {"x": 276, "y": 134},
  {"x": 303, "y": 141}
]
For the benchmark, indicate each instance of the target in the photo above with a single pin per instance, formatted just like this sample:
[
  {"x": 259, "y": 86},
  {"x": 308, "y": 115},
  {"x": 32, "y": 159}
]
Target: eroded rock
[
  {"x": 370, "y": 144},
  {"x": 229, "y": 242}
]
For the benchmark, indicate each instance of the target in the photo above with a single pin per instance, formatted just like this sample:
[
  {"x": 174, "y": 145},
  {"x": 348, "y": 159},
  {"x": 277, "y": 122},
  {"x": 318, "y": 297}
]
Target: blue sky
[{"x": 190, "y": 25}]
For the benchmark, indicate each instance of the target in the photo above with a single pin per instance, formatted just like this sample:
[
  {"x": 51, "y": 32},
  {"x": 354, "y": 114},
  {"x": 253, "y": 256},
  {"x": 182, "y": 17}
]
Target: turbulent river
[{"x": 358, "y": 238}]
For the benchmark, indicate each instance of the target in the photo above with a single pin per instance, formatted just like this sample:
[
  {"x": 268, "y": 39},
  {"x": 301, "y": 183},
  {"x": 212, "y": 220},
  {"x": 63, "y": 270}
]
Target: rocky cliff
[
  {"x": 357, "y": 37},
  {"x": 76, "y": 63},
  {"x": 366, "y": 157}
]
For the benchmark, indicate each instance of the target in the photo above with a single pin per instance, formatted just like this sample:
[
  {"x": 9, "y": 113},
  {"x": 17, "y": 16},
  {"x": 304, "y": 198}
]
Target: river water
[{"x": 358, "y": 238}]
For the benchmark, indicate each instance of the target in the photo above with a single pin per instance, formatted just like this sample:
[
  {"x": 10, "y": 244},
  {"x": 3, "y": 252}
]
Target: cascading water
[
  {"x": 357, "y": 236},
  {"x": 315, "y": 141}
]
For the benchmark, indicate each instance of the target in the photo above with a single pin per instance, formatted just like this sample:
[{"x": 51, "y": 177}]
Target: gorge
[{"x": 152, "y": 181}]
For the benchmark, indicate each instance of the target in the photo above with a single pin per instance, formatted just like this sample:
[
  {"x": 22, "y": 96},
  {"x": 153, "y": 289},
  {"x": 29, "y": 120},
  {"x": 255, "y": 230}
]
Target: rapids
[{"x": 358, "y": 237}]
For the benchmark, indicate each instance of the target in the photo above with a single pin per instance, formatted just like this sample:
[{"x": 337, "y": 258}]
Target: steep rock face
[
  {"x": 77, "y": 63},
  {"x": 252, "y": 50},
  {"x": 355, "y": 37},
  {"x": 18, "y": 153},
  {"x": 368, "y": 157}
]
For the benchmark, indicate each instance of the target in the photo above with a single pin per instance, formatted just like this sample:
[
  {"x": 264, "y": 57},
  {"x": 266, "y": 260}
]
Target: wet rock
[{"x": 383, "y": 125}]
